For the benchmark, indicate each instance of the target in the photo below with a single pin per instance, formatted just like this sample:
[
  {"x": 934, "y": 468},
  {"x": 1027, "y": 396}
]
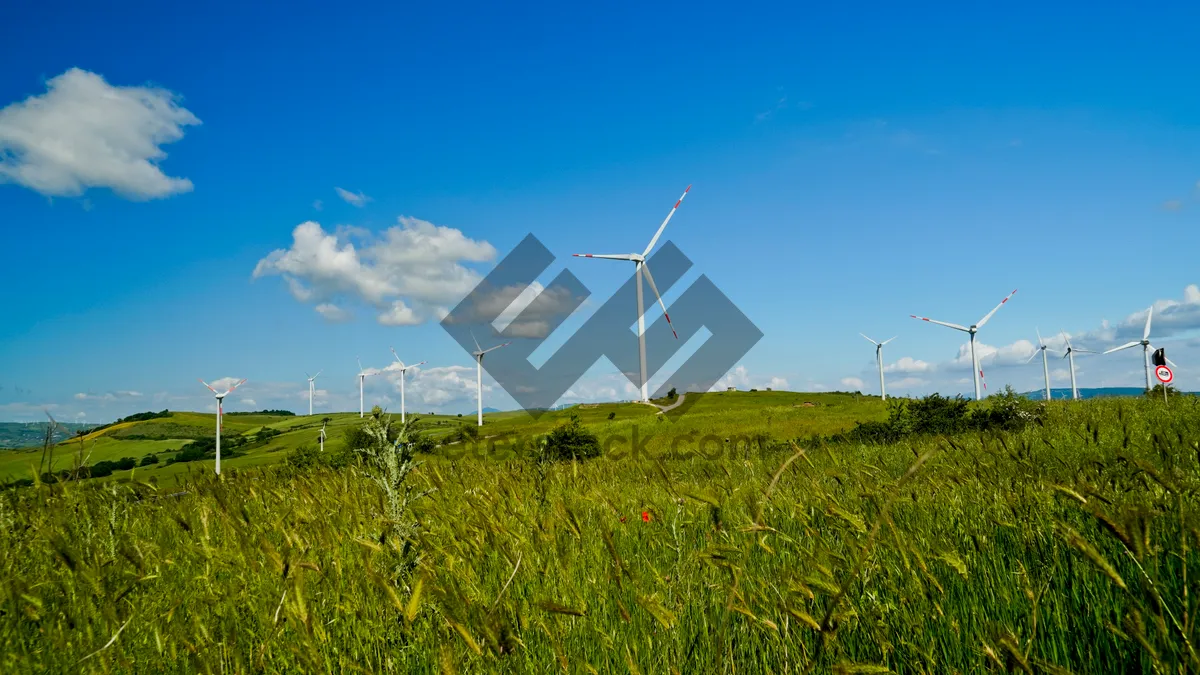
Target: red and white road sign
[{"x": 1164, "y": 374}]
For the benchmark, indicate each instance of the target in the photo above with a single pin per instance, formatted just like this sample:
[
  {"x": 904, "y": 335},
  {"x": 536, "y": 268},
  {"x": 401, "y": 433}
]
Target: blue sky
[{"x": 850, "y": 167}]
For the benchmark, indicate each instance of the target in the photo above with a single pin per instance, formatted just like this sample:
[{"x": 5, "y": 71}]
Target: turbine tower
[
  {"x": 311, "y": 389},
  {"x": 321, "y": 436},
  {"x": 971, "y": 331},
  {"x": 641, "y": 269},
  {"x": 1146, "y": 347},
  {"x": 362, "y": 375},
  {"x": 1045, "y": 363},
  {"x": 403, "y": 369},
  {"x": 879, "y": 358},
  {"x": 220, "y": 412},
  {"x": 1070, "y": 356},
  {"x": 478, "y": 354}
]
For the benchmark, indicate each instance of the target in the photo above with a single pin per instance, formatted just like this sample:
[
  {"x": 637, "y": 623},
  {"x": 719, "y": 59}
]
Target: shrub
[
  {"x": 571, "y": 441},
  {"x": 303, "y": 457},
  {"x": 671, "y": 394},
  {"x": 613, "y": 415},
  {"x": 149, "y": 460},
  {"x": 1007, "y": 411}
]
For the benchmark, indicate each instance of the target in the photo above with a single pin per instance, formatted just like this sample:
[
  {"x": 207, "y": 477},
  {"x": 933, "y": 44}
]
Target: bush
[
  {"x": 571, "y": 441},
  {"x": 936, "y": 415},
  {"x": 613, "y": 415},
  {"x": 671, "y": 394},
  {"x": 149, "y": 460},
  {"x": 303, "y": 457},
  {"x": 1008, "y": 411}
]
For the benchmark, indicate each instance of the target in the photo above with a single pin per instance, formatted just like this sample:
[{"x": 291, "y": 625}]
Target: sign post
[{"x": 1164, "y": 375}]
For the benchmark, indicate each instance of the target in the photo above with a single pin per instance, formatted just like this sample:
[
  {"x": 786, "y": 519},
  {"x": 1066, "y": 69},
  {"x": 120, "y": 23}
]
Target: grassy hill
[
  {"x": 1064, "y": 543},
  {"x": 744, "y": 418}
]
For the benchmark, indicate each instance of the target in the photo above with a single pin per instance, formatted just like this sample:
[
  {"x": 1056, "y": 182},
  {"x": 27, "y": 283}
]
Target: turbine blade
[
  {"x": 1169, "y": 361},
  {"x": 207, "y": 385},
  {"x": 494, "y": 348},
  {"x": 318, "y": 374},
  {"x": 235, "y": 386},
  {"x": 1149, "y": 315},
  {"x": 994, "y": 309},
  {"x": 1067, "y": 339},
  {"x": 888, "y": 340},
  {"x": 942, "y": 323},
  {"x": 1033, "y": 356},
  {"x": 650, "y": 278},
  {"x": 418, "y": 364},
  {"x": 477, "y": 347},
  {"x": 615, "y": 256},
  {"x": 1041, "y": 342},
  {"x": 1127, "y": 345},
  {"x": 869, "y": 340},
  {"x": 397, "y": 356},
  {"x": 664, "y": 222},
  {"x": 360, "y": 368}
]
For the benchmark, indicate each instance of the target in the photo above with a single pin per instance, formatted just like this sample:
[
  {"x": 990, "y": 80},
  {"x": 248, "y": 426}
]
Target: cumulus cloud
[
  {"x": 777, "y": 383},
  {"x": 333, "y": 313},
  {"x": 85, "y": 133},
  {"x": 907, "y": 364},
  {"x": 352, "y": 198},
  {"x": 436, "y": 387},
  {"x": 408, "y": 273},
  {"x": 852, "y": 383}
]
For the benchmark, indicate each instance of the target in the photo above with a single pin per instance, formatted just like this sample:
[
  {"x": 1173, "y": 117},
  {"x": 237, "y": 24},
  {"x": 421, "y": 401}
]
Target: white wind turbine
[
  {"x": 879, "y": 358},
  {"x": 311, "y": 389},
  {"x": 1045, "y": 364},
  {"x": 403, "y": 369},
  {"x": 478, "y": 354},
  {"x": 362, "y": 375},
  {"x": 640, "y": 269},
  {"x": 321, "y": 436},
  {"x": 972, "y": 330},
  {"x": 220, "y": 412},
  {"x": 1146, "y": 347},
  {"x": 1070, "y": 356}
]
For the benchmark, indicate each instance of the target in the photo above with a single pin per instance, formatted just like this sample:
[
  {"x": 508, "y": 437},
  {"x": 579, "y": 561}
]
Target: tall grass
[{"x": 1067, "y": 547}]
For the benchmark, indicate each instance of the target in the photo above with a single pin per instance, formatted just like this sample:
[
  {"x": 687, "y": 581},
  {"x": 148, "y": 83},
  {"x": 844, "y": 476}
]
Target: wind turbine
[
  {"x": 1045, "y": 364},
  {"x": 640, "y": 269},
  {"x": 321, "y": 436},
  {"x": 362, "y": 375},
  {"x": 879, "y": 358},
  {"x": 403, "y": 369},
  {"x": 1070, "y": 356},
  {"x": 221, "y": 411},
  {"x": 975, "y": 372},
  {"x": 311, "y": 389},
  {"x": 1146, "y": 347},
  {"x": 478, "y": 354}
]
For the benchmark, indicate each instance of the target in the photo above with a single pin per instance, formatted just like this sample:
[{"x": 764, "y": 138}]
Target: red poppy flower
[
  {"x": 645, "y": 516},
  {"x": 622, "y": 519}
]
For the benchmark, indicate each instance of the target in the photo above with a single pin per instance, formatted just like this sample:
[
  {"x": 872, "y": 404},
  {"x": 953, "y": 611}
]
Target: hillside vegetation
[{"x": 1064, "y": 543}]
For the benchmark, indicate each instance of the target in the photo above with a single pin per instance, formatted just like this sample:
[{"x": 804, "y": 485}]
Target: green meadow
[{"x": 1063, "y": 541}]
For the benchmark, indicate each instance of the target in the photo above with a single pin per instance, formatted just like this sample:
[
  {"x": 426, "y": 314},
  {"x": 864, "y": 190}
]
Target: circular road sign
[{"x": 1164, "y": 374}]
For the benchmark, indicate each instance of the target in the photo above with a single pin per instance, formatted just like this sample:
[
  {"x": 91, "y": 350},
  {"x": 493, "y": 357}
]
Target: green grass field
[{"x": 1067, "y": 547}]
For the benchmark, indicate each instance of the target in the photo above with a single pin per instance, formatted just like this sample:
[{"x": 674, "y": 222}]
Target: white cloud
[
  {"x": 435, "y": 387},
  {"x": 108, "y": 396},
  {"x": 408, "y": 273},
  {"x": 249, "y": 401},
  {"x": 353, "y": 198},
  {"x": 1014, "y": 354},
  {"x": 778, "y": 384},
  {"x": 910, "y": 382},
  {"x": 84, "y": 133},
  {"x": 224, "y": 383},
  {"x": 333, "y": 313},
  {"x": 907, "y": 364},
  {"x": 399, "y": 314},
  {"x": 852, "y": 383}
]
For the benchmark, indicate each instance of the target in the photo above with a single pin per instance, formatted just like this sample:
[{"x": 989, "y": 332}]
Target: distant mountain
[
  {"x": 28, "y": 434},
  {"x": 1096, "y": 392}
]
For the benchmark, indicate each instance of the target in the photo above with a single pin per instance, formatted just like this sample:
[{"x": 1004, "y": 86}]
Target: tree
[
  {"x": 671, "y": 394},
  {"x": 571, "y": 441}
]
